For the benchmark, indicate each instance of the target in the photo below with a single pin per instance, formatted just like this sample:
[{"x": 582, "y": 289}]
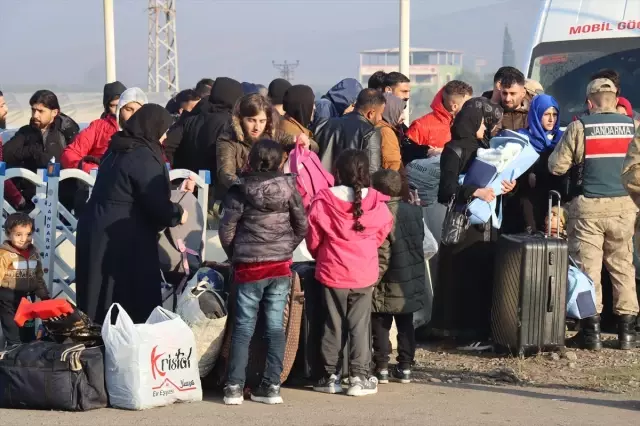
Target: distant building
[{"x": 428, "y": 67}]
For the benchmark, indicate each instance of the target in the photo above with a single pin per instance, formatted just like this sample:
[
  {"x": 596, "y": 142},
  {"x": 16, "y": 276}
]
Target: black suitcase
[
  {"x": 51, "y": 376},
  {"x": 529, "y": 296}
]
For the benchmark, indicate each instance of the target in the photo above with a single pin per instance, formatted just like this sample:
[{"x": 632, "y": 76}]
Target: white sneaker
[
  {"x": 362, "y": 387},
  {"x": 329, "y": 384}
]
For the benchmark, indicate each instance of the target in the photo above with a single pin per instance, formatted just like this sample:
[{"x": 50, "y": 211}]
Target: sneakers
[
  {"x": 361, "y": 386},
  {"x": 329, "y": 384},
  {"x": 233, "y": 395},
  {"x": 267, "y": 394},
  {"x": 401, "y": 376},
  {"x": 383, "y": 376}
]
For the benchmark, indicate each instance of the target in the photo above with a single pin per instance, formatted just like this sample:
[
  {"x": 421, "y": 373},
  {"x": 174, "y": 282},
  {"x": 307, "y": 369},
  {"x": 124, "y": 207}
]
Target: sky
[{"x": 61, "y": 42}]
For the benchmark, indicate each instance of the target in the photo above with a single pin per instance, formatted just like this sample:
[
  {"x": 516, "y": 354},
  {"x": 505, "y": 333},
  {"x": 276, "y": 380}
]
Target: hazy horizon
[{"x": 241, "y": 38}]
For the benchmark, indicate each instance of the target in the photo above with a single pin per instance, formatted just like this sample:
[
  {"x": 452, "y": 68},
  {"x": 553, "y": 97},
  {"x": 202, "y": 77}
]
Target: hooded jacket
[
  {"x": 433, "y": 129},
  {"x": 191, "y": 143},
  {"x": 264, "y": 219},
  {"x": 336, "y": 101},
  {"x": 89, "y": 146},
  {"x": 346, "y": 258},
  {"x": 20, "y": 274},
  {"x": 402, "y": 284},
  {"x": 390, "y": 134},
  {"x": 133, "y": 94},
  {"x": 232, "y": 153}
]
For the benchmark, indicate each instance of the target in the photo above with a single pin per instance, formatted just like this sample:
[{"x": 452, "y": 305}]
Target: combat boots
[
  {"x": 589, "y": 336},
  {"x": 627, "y": 332}
]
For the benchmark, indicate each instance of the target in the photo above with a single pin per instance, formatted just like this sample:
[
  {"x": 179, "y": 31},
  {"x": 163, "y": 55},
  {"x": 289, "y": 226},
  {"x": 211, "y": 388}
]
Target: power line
[{"x": 286, "y": 69}]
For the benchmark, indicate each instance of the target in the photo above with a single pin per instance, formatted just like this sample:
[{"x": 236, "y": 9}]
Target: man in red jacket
[
  {"x": 434, "y": 129},
  {"x": 88, "y": 147},
  {"x": 11, "y": 193}
]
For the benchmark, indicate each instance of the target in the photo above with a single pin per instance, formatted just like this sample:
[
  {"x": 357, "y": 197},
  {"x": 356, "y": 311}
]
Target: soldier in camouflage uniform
[{"x": 602, "y": 216}]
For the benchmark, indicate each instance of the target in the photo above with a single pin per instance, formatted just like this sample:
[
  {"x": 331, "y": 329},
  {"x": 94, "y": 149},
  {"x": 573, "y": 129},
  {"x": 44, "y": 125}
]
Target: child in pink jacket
[{"x": 347, "y": 224}]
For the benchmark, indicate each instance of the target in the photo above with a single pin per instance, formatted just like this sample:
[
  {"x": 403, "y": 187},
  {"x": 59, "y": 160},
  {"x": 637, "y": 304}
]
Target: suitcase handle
[
  {"x": 551, "y": 195},
  {"x": 552, "y": 294}
]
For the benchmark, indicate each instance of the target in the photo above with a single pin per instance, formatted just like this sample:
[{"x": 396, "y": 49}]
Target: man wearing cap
[{"x": 602, "y": 216}]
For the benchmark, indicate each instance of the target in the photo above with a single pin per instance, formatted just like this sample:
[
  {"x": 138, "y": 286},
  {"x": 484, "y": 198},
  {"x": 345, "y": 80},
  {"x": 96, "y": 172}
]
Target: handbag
[{"x": 455, "y": 224}]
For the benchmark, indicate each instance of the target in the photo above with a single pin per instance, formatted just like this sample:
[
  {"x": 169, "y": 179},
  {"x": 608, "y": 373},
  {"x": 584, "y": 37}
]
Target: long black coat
[{"x": 117, "y": 243}]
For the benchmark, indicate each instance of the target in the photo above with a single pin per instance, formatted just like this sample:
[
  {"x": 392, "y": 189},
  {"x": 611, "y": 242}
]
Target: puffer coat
[
  {"x": 402, "y": 285},
  {"x": 263, "y": 218}
]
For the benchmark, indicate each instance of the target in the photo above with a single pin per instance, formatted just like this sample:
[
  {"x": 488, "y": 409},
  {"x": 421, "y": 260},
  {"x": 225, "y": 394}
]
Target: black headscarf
[
  {"x": 298, "y": 103},
  {"x": 277, "y": 90},
  {"x": 111, "y": 92},
  {"x": 144, "y": 128},
  {"x": 468, "y": 120},
  {"x": 225, "y": 92}
]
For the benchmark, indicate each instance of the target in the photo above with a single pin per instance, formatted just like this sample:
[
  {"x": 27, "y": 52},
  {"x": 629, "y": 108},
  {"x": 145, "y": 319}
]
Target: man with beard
[
  {"x": 43, "y": 139},
  {"x": 398, "y": 84},
  {"x": 512, "y": 100},
  {"x": 11, "y": 193},
  {"x": 355, "y": 130}
]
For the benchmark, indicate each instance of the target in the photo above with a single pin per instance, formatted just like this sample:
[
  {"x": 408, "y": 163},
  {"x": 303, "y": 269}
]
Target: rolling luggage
[
  {"x": 52, "y": 376},
  {"x": 530, "y": 289}
]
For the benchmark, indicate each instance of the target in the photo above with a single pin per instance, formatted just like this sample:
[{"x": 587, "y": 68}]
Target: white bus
[{"x": 575, "y": 39}]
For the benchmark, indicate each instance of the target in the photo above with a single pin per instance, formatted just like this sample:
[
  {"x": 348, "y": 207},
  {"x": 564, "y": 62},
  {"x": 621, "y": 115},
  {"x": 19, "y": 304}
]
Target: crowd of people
[{"x": 366, "y": 233}]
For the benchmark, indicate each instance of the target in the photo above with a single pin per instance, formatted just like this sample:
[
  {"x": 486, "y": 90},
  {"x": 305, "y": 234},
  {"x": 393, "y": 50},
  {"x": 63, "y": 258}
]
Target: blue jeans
[{"x": 273, "y": 293}]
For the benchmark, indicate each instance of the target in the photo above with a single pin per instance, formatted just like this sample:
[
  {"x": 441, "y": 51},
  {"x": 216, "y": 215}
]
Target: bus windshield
[{"x": 564, "y": 69}]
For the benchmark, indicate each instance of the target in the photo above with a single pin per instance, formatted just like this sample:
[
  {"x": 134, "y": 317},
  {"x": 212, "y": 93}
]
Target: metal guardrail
[{"x": 55, "y": 224}]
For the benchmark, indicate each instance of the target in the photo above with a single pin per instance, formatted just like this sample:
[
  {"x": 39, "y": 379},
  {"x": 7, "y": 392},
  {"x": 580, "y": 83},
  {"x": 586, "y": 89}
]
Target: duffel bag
[{"x": 53, "y": 376}]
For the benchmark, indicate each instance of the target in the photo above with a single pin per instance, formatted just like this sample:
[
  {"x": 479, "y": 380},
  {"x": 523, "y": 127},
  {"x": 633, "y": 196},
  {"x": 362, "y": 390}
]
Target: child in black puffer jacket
[{"x": 263, "y": 222}]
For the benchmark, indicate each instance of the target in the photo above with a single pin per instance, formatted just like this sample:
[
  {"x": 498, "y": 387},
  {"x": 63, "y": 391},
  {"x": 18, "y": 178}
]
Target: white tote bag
[{"x": 152, "y": 364}]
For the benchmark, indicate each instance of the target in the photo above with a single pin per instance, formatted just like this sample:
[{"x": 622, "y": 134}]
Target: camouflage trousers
[{"x": 607, "y": 240}]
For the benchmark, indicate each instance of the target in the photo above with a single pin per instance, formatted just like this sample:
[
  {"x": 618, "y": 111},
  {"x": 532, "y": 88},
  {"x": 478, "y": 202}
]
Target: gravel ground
[{"x": 609, "y": 370}]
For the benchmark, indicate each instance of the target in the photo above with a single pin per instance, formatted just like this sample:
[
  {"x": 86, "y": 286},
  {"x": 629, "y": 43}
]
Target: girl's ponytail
[{"x": 353, "y": 171}]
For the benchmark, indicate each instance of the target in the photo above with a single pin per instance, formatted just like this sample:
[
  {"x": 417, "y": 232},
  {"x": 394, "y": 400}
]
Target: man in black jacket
[
  {"x": 356, "y": 130},
  {"x": 45, "y": 138}
]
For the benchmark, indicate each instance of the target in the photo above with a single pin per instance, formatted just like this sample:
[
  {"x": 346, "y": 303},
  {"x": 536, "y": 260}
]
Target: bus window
[{"x": 564, "y": 69}]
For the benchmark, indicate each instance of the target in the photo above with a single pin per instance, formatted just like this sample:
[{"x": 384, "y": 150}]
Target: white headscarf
[{"x": 134, "y": 94}]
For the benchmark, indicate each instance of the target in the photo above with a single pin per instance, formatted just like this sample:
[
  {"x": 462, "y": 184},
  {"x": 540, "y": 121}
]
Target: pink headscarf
[{"x": 623, "y": 102}]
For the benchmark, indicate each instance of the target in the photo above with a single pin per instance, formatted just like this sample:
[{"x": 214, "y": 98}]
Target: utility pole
[
  {"x": 286, "y": 69},
  {"x": 404, "y": 50},
  {"x": 109, "y": 41},
  {"x": 162, "y": 47}
]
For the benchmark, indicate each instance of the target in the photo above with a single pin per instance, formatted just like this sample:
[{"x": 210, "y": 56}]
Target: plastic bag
[
  {"x": 429, "y": 244},
  {"x": 205, "y": 312},
  {"x": 151, "y": 364}
]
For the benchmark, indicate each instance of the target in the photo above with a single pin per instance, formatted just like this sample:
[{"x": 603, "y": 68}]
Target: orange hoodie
[{"x": 433, "y": 129}]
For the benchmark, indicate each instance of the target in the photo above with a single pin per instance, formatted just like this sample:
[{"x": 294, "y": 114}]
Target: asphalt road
[{"x": 415, "y": 404}]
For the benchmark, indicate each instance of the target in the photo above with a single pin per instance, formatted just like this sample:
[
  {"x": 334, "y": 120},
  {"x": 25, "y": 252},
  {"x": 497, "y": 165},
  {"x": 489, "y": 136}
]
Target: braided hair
[{"x": 352, "y": 170}]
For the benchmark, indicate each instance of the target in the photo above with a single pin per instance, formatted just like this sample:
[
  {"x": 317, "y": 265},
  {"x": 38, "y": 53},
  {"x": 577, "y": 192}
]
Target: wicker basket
[{"x": 258, "y": 347}]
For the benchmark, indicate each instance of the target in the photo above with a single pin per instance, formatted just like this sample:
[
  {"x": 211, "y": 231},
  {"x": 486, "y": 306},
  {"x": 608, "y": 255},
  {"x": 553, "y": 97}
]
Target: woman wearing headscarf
[
  {"x": 299, "y": 104},
  {"x": 526, "y": 209},
  {"x": 390, "y": 130},
  {"x": 117, "y": 240},
  {"x": 462, "y": 300}
]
